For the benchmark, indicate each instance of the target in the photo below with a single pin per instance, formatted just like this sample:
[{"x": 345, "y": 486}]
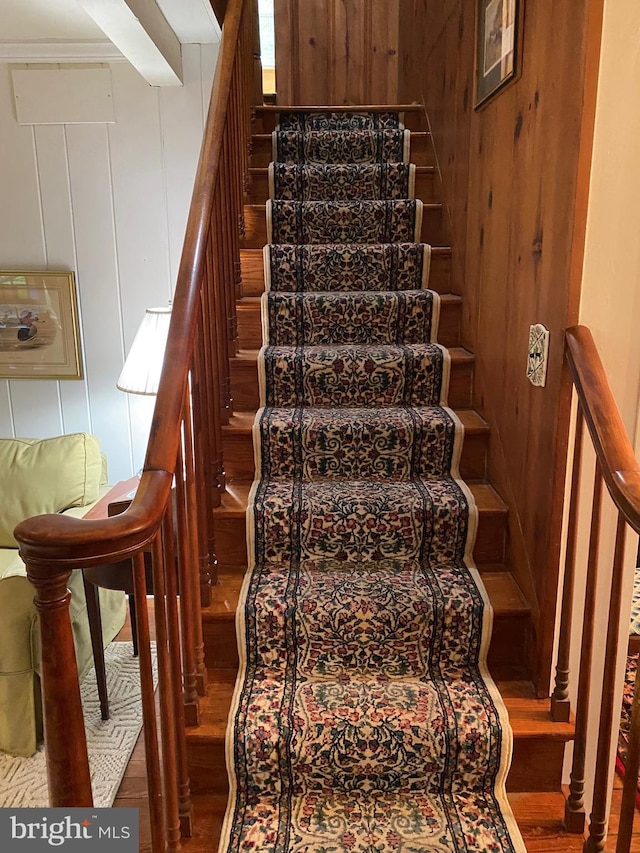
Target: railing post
[
  {"x": 560, "y": 704},
  {"x": 150, "y": 727},
  {"x": 574, "y": 816},
  {"x": 186, "y": 567},
  {"x": 67, "y": 758},
  {"x": 194, "y": 537},
  {"x": 161, "y": 555},
  {"x": 598, "y": 819},
  {"x": 630, "y": 787}
]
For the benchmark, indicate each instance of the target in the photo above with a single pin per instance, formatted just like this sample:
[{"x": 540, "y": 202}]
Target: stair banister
[
  {"x": 616, "y": 466},
  {"x": 182, "y": 478}
]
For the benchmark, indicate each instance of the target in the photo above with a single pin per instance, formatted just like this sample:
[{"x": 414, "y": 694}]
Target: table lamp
[{"x": 141, "y": 371}]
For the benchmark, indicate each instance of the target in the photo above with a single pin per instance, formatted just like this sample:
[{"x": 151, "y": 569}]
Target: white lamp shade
[{"x": 141, "y": 371}]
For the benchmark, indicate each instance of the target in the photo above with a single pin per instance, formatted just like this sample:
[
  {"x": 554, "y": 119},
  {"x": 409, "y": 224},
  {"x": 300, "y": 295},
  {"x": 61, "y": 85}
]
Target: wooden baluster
[
  {"x": 65, "y": 738},
  {"x": 245, "y": 102},
  {"x": 205, "y": 501},
  {"x": 216, "y": 333},
  {"x": 632, "y": 766},
  {"x": 209, "y": 498},
  {"x": 193, "y": 538},
  {"x": 174, "y": 620},
  {"x": 241, "y": 170},
  {"x": 257, "y": 95},
  {"x": 166, "y": 688},
  {"x": 574, "y": 815},
  {"x": 186, "y": 564},
  {"x": 150, "y": 728},
  {"x": 598, "y": 819},
  {"x": 217, "y": 380},
  {"x": 560, "y": 704},
  {"x": 231, "y": 235}
]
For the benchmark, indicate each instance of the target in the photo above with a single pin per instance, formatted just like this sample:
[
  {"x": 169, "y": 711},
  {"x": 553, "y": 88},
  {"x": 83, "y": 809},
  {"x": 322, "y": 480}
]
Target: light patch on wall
[{"x": 63, "y": 96}]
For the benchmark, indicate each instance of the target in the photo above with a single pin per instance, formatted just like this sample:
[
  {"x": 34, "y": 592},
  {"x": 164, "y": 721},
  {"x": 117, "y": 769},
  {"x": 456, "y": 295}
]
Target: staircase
[{"x": 535, "y": 777}]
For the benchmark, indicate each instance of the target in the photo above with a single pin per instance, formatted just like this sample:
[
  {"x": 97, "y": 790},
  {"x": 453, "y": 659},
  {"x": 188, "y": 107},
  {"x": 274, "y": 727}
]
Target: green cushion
[{"x": 46, "y": 475}]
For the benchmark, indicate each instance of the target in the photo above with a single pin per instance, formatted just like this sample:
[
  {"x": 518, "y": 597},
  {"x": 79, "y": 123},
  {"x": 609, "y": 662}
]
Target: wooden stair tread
[
  {"x": 473, "y": 422},
  {"x": 249, "y": 311},
  {"x": 340, "y": 108},
  {"x": 504, "y": 593},
  {"x": 252, "y": 303},
  {"x": 538, "y": 815},
  {"x": 529, "y": 717},
  {"x": 257, "y": 209},
  {"x": 252, "y": 265},
  {"x": 241, "y": 423},
  {"x": 236, "y": 496},
  {"x": 421, "y": 151},
  {"x": 260, "y": 171},
  {"x": 459, "y": 355}
]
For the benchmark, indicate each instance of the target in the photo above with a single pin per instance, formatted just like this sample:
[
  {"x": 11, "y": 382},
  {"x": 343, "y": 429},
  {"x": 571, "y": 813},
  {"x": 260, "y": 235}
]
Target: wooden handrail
[
  {"x": 617, "y": 467},
  {"x": 68, "y": 542},
  {"x": 608, "y": 433}
]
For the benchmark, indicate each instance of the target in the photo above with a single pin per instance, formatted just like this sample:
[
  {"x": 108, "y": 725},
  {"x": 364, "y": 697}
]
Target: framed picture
[
  {"x": 38, "y": 326},
  {"x": 498, "y": 46}
]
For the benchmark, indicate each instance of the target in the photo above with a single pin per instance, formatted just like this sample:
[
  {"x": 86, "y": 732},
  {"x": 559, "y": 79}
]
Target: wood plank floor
[{"x": 538, "y": 815}]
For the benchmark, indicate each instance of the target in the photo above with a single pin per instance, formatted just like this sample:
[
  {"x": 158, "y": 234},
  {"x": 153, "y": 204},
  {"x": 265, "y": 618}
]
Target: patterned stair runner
[
  {"x": 364, "y": 719},
  {"x": 322, "y": 222},
  {"x": 341, "y": 182},
  {"x": 346, "y": 267}
]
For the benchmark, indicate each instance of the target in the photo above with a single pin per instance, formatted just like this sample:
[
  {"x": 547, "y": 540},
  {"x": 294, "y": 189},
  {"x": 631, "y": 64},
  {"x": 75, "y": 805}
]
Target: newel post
[{"x": 65, "y": 737}]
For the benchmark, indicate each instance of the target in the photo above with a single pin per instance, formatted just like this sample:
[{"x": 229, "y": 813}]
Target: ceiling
[
  {"x": 46, "y": 20},
  {"x": 65, "y": 20},
  {"x": 147, "y": 33}
]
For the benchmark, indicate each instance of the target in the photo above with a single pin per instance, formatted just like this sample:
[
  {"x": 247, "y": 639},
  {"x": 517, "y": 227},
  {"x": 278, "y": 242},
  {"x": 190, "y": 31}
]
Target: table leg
[{"x": 92, "y": 594}]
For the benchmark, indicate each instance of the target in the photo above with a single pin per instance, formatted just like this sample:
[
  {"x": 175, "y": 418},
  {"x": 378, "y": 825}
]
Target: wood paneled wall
[
  {"x": 514, "y": 178},
  {"x": 337, "y": 51},
  {"x": 109, "y": 201}
]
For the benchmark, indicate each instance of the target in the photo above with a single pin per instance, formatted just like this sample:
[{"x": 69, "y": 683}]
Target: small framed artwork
[
  {"x": 39, "y": 326},
  {"x": 498, "y": 46}
]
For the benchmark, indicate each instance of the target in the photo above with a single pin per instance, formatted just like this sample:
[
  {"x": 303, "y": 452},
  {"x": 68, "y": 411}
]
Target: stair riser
[
  {"x": 265, "y": 121},
  {"x": 258, "y": 190},
  {"x": 207, "y": 768},
  {"x": 421, "y": 150},
  {"x": 534, "y": 767},
  {"x": 239, "y": 462},
  {"x": 255, "y": 222},
  {"x": 231, "y": 543},
  {"x": 253, "y": 272},
  {"x": 221, "y": 651},
  {"x": 250, "y": 325},
  {"x": 244, "y": 385}
]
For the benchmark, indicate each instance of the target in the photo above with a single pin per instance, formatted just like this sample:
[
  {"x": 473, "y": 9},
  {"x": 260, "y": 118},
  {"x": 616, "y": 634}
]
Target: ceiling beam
[
  {"x": 194, "y": 21},
  {"x": 139, "y": 29}
]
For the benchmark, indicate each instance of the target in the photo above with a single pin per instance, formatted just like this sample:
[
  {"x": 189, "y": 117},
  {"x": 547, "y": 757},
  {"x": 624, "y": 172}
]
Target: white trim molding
[{"x": 60, "y": 51}]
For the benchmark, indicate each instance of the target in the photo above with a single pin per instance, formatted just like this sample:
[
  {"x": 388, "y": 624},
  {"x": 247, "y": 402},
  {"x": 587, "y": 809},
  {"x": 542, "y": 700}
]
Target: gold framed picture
[
  {"x": 498, "y": 46},
  {"x": 39, "y": 326}
]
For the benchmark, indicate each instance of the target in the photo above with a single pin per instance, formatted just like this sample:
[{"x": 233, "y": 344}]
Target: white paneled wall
[{"x": 110, "y": 202}]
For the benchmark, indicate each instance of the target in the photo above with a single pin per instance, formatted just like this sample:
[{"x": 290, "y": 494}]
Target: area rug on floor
[
  {"x": 23, "y": 781},
  {"x": 364, "y": 719}
]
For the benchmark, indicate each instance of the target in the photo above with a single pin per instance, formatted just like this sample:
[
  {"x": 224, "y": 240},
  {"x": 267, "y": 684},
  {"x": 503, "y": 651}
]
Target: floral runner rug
[{"x": 364, "y": 719}]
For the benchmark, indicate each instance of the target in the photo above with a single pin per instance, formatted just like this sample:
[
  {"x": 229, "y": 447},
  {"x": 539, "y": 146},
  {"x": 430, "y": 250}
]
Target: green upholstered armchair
[{"x": 62, "y": 474}]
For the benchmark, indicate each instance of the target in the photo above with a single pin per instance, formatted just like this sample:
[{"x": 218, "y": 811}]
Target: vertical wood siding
[
  {"x": 337, "y": 51},
  {"x": 109, "y": 202}
]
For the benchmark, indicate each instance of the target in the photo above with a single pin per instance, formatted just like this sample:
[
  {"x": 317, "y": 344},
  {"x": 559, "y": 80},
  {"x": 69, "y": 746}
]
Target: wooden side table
[{"x": 93, "y": 578}]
